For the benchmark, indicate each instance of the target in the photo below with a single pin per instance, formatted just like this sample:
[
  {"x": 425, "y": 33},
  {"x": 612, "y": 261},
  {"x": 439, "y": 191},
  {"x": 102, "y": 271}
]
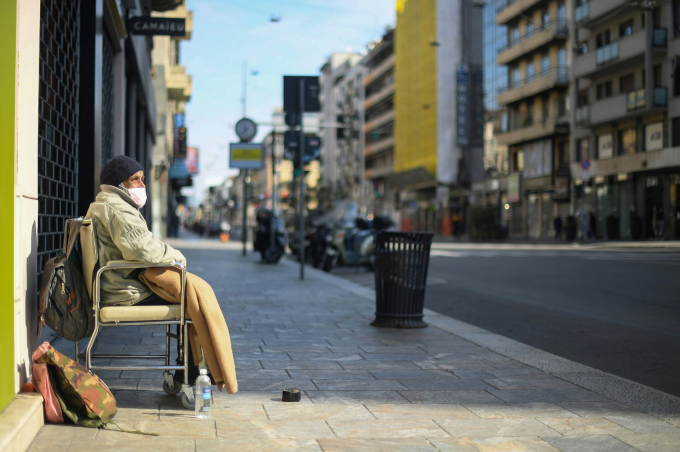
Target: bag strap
[
  {"x": 136, "y": 432},
  {"x": 71, "y": 234}
]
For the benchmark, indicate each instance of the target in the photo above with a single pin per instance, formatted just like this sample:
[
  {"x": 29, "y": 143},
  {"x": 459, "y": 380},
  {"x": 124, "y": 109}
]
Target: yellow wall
[
  {"x": 8, "y": 18},
  {"x": 416, "y": 86}
]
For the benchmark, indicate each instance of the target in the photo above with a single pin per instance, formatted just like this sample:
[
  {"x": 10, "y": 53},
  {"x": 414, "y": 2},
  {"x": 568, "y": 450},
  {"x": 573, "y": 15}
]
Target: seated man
[{"x": 122, "y": 234}]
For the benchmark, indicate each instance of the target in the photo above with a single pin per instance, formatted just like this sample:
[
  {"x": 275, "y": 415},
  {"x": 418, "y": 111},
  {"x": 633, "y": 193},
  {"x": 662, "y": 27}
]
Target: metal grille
[
  {"x": 107, "y": 101},
  {"x": 58, "y": 123}
]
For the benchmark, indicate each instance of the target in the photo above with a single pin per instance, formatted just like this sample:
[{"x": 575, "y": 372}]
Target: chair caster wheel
[
  {"x": 187, "y": 403},
  {"x": 176, "y": 388}
]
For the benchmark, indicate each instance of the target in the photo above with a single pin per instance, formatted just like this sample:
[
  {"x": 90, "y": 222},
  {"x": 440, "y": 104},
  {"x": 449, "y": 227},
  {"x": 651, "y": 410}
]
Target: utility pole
[
  {"x": 244, "y": 87},
  {"x": 301, "y": 162},
  {"x": 245, "y": 210}
]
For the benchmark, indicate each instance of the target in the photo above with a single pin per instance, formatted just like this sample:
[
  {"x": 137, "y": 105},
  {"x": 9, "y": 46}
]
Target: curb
[{"x": 635, "y": 395}]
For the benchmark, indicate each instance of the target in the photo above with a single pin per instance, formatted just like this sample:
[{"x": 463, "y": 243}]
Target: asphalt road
[{"x": 617, "y": 311}]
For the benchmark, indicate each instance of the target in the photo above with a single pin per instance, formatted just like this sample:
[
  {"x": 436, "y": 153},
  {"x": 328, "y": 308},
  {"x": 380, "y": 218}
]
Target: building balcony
[
  {"x": 377, "y": 147},
  {"x": 379, "y": 70},
  {"x": 379, "y": 96},
  {"x": 619, "y": 107},
  {"x": 512, "y": 9},
  {"x": 618, "y": 53},
  {"x": 543, "y": 81},
  {"x": 537, "y": 38},
  {"x": 596, "y": 9},
  {"x": 534, "y": 131},
  {"x": 376, "y": 173},
  {"x": 379, "y": 121},
  {"x": 179, "y": 84}
]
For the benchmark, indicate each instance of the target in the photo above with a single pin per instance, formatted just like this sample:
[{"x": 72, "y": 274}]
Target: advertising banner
[
  {"x": 192, "y": 160},
  {"x": 654, "y": 136},
  {"x": 605, "y": 147}
]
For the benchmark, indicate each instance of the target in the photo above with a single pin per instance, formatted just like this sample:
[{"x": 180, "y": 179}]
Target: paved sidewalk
[{"x": 448, "y": 387}]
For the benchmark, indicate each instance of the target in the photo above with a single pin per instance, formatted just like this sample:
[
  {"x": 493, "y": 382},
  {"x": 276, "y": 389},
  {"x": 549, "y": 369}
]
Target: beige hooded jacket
[{"x": 122, "y": 234}]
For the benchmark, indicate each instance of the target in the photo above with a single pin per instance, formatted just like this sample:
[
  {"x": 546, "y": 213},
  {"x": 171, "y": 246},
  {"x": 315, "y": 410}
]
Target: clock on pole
[{"x": 246, "y": 129}]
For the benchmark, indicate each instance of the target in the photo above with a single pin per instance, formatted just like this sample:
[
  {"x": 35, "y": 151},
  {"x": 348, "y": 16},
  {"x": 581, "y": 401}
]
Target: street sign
[
  {"x": 585, "y": 175},
  {"x": 585, "y": 164},
  {"x": 156, "y": 26},
  {"x": 291, "y": 94},
  {"x": 246, "y": 155}
]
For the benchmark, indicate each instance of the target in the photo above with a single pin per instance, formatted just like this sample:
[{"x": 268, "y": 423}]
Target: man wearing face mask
[{"x": 122, "y": 233}]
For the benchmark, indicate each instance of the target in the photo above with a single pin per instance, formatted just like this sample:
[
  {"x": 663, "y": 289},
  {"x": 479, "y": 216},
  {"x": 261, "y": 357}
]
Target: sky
[{"x": 228, "y": 32}]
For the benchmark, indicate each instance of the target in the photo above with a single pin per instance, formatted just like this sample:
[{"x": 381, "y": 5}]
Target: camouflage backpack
[{"x": 83, "y": 397}]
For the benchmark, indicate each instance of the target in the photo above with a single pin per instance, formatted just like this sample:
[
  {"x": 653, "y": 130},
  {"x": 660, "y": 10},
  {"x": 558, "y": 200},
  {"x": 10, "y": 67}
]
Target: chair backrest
[{"x": 88, "y": 246}]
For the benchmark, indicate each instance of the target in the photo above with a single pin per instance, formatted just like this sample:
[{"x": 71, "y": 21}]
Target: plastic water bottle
[{"x": 203, "y": 395}]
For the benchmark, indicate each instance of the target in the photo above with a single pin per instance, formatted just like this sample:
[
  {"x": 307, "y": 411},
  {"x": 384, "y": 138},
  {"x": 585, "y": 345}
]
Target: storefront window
[
  {"x": 547, "y": 214},
  {"x": 627, "y": 141},
  {"x": 533, "y": 220}
]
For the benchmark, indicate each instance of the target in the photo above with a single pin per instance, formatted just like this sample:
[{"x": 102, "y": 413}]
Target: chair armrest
[{"x": 140, "y": 264}]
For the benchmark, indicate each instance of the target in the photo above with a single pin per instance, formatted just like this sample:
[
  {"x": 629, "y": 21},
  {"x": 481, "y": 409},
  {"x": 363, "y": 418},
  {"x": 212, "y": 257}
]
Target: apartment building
[
  {"x": 348, "y": 95},
  {"x": 626, "y": 127},
  {"x": 536, "y": 98},
  {"x": 333, "y": 72},
  {"x": 378, "y": 124},
  {"x": 173, "y": 88}
]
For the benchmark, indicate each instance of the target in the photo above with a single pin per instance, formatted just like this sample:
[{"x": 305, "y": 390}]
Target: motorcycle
[
  {"x": 270, "y": 240},
  {"x": 353, "y": 246}
]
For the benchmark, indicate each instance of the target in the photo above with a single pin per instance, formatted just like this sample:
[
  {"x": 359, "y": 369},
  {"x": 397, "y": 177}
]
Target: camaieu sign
[{"x": 156, "y": 26}]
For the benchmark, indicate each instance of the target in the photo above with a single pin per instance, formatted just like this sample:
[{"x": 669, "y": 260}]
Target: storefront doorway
[{"x": 654, "y": 213}]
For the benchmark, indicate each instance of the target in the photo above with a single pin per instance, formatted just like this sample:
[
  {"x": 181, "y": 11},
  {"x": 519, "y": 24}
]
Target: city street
[
  {"x": 615, "y": 310},
  {"x": 448, "y": 387}
]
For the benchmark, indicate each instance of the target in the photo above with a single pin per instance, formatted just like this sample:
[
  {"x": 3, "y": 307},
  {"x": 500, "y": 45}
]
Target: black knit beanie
[{"x": 119, "y": 169}]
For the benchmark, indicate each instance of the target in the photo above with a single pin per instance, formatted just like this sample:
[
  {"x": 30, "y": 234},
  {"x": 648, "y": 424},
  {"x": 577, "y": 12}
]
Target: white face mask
[{"x": 138, "y": 195}]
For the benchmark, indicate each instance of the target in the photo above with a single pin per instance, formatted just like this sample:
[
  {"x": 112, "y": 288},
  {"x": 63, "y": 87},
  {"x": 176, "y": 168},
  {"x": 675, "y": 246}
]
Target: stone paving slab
[{"x": 448, "y": 387}]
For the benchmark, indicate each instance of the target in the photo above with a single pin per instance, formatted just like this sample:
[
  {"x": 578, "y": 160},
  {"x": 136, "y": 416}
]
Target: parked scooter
[
  {"x": 353, "y": 246},
  {"x": 270, "y": 240}
]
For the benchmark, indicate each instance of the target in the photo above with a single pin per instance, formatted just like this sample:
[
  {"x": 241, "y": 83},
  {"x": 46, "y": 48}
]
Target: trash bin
[{"x": 401, "y": 262}]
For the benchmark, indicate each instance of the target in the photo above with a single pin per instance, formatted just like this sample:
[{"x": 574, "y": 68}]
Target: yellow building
[{"x": 439, "y": 115}]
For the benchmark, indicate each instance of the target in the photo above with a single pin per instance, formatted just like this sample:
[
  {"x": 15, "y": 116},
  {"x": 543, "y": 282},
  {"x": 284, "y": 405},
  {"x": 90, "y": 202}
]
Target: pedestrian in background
[{"x": 557, "y": 224}]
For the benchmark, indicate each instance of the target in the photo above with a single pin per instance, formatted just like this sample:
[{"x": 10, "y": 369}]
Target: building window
[
  {"x": 582, "y": 150},
  {"x": 603, "y": 39},
  {"x": 582, "y": 98},
  {"x": 562, "y": 154},
  {"x": 626, "y": 83},
  {"x": 562, "y": 104},
  {"x": 561, "y": 12},
  {"x": 626, "y": 28},
  {"x": 675, "y": 139},
  {"x": 518, "y": 160},
  {"x": 516, "y": 78},
  {"x": 676, "y": 18},
  {"x": 627, "y": 141},
  {"x": 545, "y": 64},
  {"x": 604, "y": 90},
  {"x": 546, "y": 107},
  {"x": 530, "y": 29},
  {"x": 657, "y": 74},
  {"x": 529, "y": 116},
  {"x": 514, "y": 36},
  {"x": 545, "y": 17},
  {"x": 530, "y": 71}
]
